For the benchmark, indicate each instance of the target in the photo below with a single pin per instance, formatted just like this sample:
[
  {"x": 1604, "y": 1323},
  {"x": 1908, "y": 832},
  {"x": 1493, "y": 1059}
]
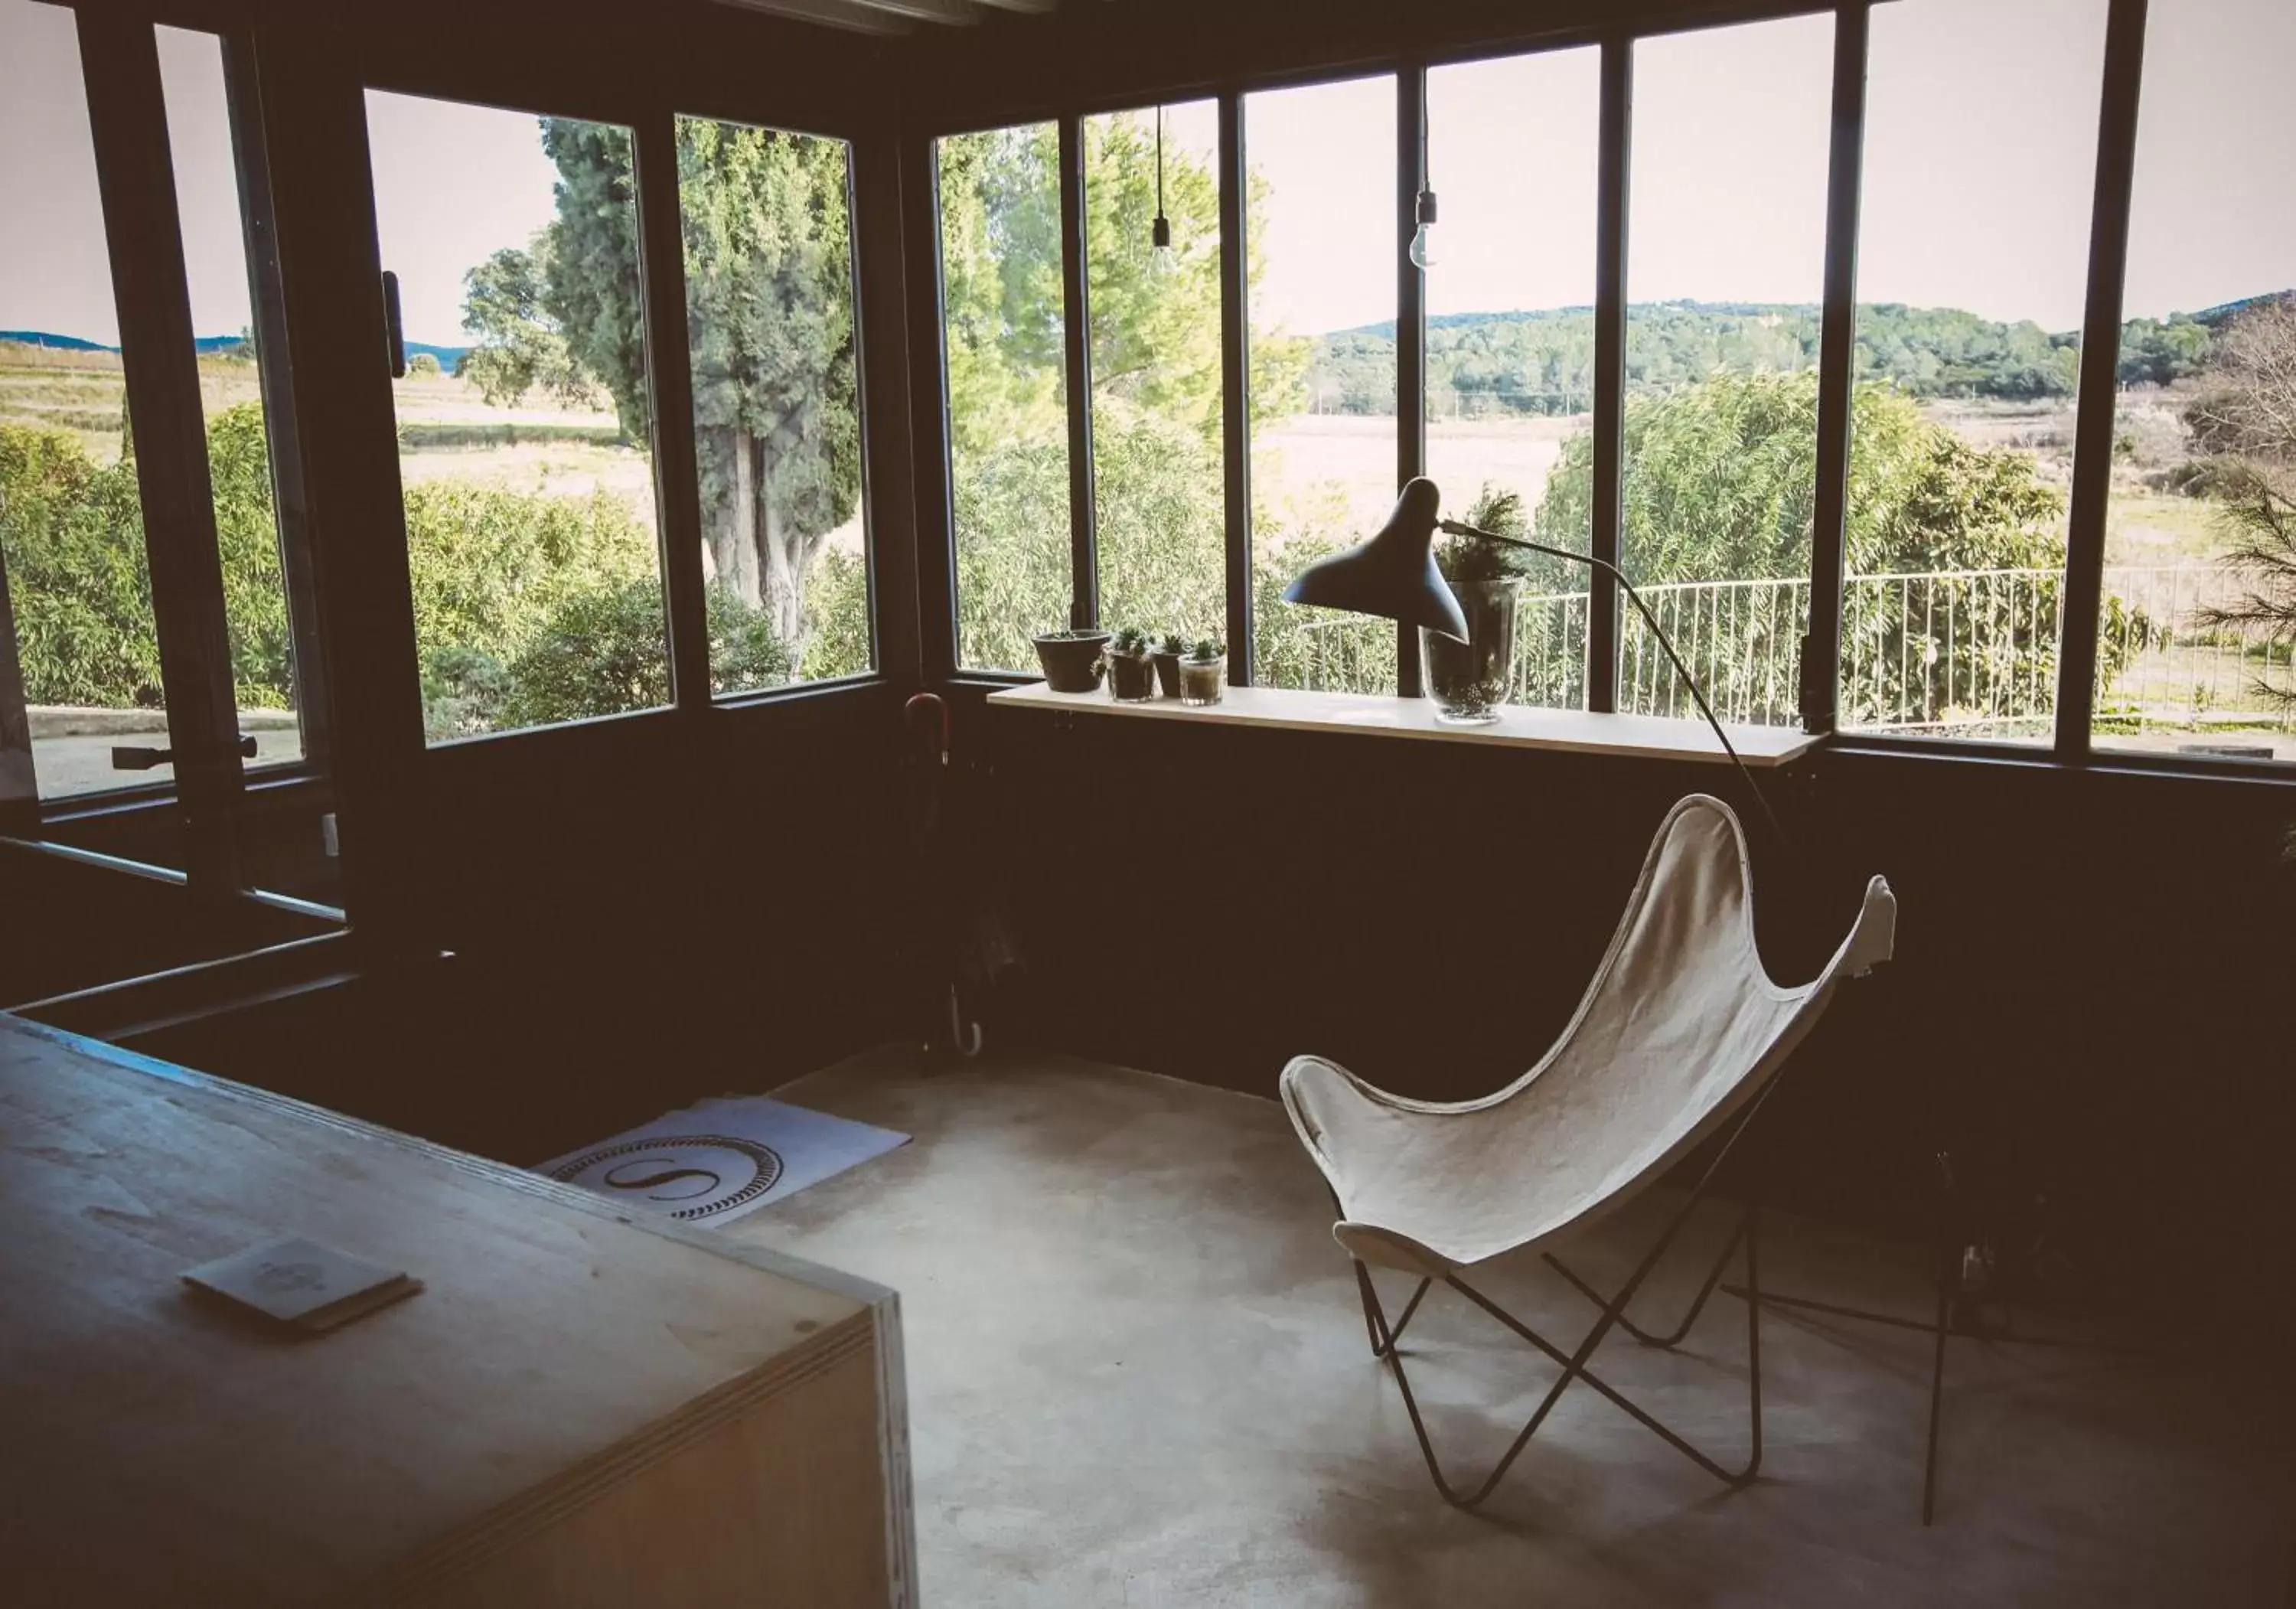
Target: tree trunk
[
  {"x": 784, "y": 584},
  {"x": 732, "y": 524}
]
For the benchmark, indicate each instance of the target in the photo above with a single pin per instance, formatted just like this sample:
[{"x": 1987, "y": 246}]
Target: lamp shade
[{"x": 1393, "y": 574}]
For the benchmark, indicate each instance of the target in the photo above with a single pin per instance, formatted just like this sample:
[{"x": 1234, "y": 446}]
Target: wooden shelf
[{"x": 1570, "y": 731}]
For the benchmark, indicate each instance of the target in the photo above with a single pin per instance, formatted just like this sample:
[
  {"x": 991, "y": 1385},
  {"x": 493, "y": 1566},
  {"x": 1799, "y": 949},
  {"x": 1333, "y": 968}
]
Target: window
[
  {"x": 72, "y": 525},
  {"x": 1001, "y": 301},
  {"x": 1160, "y": 497},
  {"x": 1321, "y": 246},
  {"x": 2196, "y": 643},
  {"x": 231, "y": 390},
  {"x": 767, "y": 229},
  {"x": 522, "y": 426},
  {"x": 1725, "y": 268},
  {"x": 1511, "y": 326},
  {"x": 1971, "y": 275}
]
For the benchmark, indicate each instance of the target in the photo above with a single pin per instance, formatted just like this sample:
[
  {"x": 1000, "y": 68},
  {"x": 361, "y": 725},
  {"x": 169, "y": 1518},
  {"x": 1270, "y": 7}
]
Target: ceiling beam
[
  {"x": 930, "y": 10},
  {"x": 856, "y": 16}
]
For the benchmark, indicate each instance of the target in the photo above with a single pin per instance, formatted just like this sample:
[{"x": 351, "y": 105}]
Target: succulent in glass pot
[
  {"x": 1204, "y": 672},
  {"x": 1167, "y": 655},
  {"x": 1131, "y": 672}
]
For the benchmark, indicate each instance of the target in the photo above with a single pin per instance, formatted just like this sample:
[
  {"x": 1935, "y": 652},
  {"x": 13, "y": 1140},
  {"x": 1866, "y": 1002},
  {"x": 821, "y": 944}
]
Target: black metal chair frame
[{"x": 1385, "y": 1338}]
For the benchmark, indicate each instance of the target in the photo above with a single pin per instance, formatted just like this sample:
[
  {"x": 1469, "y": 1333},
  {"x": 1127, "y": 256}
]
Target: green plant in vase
[{"x": 1468, "y": 681}]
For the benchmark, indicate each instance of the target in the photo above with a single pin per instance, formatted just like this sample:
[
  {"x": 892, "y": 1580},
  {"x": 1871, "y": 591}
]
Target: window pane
[
  {"x": 1322, "y": 249},
  {"x": 1156, "y": 407},
  {"x": 1725, "y": 268},
  {"x": 777, "y": 408},
  {"x": 1972, "y": 274},
  {"x": 1000, "y": 265},
  {"x": 1511, "y": 155},
  {"x": 239, "y": 454},
  {"x": 71, "y": 526},
  {"x": 2196, "y": 646},
  {"x": 522, "y": 428}
]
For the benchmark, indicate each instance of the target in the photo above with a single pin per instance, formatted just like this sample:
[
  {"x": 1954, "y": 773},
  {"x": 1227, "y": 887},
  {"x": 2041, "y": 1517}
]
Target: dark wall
[
  {"x": 639, "y": 911},
  {"x": 2089, "y": 1006},
  {"x": 69, "y": 922}
]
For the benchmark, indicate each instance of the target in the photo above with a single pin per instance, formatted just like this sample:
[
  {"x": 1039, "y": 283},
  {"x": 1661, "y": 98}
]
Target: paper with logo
[
  {"x": 302, "y": 1283},
  {"x": 721, "y": 1158}
]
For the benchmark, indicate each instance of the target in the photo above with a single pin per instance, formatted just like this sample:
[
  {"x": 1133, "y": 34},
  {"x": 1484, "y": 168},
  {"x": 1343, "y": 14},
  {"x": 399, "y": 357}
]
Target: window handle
[
  {"x": 145, "y": 760},
  {"x": 394, "y": 328}
]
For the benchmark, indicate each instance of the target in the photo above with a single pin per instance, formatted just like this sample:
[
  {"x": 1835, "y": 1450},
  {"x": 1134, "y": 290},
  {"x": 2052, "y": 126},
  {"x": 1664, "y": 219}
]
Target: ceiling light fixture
[{"x": 1163, "y": 262}]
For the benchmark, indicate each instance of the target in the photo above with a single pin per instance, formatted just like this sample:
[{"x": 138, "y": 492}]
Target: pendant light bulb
[{"x": 1423, "y": 244}]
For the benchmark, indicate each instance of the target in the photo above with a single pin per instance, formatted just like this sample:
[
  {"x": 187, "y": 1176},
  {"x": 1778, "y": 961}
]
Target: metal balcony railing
[{"x": 1960, "y": 652}]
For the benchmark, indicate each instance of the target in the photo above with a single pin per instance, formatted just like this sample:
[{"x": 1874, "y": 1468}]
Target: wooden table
[{"x": 580, "y": 1408}]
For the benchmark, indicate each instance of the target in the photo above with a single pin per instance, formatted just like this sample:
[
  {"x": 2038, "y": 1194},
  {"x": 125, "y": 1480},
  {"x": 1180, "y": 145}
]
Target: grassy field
[{"x": 1329, "y": 472}]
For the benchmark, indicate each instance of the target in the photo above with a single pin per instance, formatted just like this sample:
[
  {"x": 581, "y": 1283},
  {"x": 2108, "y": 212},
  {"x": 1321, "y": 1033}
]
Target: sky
[{"x": 1979, "y": 151}]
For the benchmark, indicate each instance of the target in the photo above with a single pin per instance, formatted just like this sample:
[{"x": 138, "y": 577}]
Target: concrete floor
[{"x": 1138, "y": 1377}]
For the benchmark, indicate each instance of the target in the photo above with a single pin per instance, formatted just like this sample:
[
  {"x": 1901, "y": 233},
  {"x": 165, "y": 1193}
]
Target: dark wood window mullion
[
  {"x": 676, "y": 478},
  {"x": 135, "y": 178},
  {"x": 1076, "y": 329},
  {"x": 884, "y": 375},
  {"x": 20, "y": 803},
  {"x": 1821, "y": 646},
  {"x": 929, "y": 396},
  {"x": 2100, "y": 377},
  {"x": 1410, "y": 327},
  {"x": 1235, "y": 380},
  {"x": 1616, "y": 121},
  {"x": 315, "y": 132},
  {"x": 275, "y": 373}
]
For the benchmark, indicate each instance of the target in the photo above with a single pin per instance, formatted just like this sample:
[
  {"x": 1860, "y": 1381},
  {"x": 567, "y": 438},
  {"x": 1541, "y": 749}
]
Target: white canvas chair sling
[{"x": 1677, "y": 1041}]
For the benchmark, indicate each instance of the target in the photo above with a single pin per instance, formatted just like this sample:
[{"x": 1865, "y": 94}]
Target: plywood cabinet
[{"x": 579, "y": 1409}]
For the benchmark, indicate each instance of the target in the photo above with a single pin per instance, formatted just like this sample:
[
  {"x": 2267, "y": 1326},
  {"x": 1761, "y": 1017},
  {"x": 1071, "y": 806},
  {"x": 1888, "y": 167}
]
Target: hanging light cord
[{"x": 1160, "y": 161}]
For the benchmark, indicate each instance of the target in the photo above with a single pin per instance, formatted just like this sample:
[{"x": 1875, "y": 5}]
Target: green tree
[
  {"x": 519, "y": 344},
  {"x": 769, "y": 300},
  {"x": 2245, "y": 424},
  {"x": 769, "y": 311},
  {"x": 1720, "y": 483}
]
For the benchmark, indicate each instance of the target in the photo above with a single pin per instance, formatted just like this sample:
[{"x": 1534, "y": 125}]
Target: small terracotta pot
[{"x": 1070, "y": 658}]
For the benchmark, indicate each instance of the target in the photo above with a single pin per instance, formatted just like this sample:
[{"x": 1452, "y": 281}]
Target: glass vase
[{"x": 1468, "y": 681}]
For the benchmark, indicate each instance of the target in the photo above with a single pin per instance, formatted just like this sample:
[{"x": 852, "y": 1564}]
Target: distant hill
[
  {"x": 61, "y": 343},
  {"x": 448, "y": 357},
  {"x": 1534, "y": 361}
]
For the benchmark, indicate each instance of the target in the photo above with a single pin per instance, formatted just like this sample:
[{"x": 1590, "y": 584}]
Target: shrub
[{"x": 72, "y": 531}]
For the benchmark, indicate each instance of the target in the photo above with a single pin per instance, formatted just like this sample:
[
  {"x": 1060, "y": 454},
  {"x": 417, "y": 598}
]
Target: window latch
[
  {"x": 394, "y": 327},
  {"x": 145, "y": 760}
]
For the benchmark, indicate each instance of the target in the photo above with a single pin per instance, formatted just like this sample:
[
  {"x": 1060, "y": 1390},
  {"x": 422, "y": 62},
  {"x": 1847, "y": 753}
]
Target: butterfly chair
[{"x": 1678, "y": 1041}]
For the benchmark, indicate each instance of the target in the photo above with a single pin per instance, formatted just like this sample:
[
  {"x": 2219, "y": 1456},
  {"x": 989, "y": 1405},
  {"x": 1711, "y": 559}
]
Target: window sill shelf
[{"x": 1570, "y": 731}]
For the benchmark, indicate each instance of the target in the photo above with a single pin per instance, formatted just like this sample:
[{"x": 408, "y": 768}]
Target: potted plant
[
  {"x": 1131, "y": 672},
  {"x": 1168, "y": 663},
  {"x": 1468, "y": 681},
  {"x": 1070, "y": 658},
  {"x": 1203, "y": 673}
]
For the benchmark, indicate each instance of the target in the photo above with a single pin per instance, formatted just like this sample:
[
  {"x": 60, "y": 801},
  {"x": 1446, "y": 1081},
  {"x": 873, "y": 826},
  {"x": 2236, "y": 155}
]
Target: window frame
[
  {"x": 135, "y": 167},
  {"x": 1002, "y": 104}
]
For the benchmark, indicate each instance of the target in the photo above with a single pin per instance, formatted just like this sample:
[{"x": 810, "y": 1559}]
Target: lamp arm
[{"x": 1458, "y": 528}]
